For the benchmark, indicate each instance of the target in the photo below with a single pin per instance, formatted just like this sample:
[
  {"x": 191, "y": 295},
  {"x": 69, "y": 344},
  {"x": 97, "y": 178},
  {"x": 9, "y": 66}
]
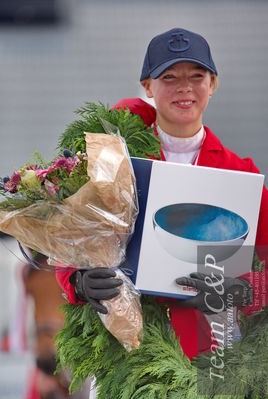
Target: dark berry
[
  {"x": 6, "y": 179},
  {"x": 67, "y": 153}
]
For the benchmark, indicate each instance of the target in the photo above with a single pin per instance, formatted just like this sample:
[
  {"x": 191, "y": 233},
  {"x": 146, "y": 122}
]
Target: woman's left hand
[{"x": 216, "y": 292}]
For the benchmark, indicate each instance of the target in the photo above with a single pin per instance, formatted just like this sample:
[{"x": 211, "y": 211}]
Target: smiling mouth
[{"x": 184, "y": 102}]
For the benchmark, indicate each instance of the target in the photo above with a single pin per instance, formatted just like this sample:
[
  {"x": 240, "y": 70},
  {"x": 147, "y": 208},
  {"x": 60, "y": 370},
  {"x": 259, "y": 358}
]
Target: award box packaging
[{"x": 185, "y": 211}]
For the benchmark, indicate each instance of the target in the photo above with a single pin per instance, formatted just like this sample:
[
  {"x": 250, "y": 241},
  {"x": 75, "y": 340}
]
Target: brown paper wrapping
[
  {"x": 124, "y": 317},
  {"x": 91, "y": 228}
]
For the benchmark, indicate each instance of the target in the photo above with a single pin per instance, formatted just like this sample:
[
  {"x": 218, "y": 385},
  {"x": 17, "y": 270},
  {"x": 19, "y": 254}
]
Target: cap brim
[{"x": 161, "y": 68}]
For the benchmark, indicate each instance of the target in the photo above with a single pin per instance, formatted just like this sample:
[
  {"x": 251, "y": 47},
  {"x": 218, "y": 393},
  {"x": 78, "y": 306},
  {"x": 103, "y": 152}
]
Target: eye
[
  {"x": 168, "y": 76},
  {"x": 197, "y": 75}
]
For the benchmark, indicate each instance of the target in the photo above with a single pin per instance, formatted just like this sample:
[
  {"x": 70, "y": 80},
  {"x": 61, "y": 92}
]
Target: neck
[{"x": 182, "y": 131}]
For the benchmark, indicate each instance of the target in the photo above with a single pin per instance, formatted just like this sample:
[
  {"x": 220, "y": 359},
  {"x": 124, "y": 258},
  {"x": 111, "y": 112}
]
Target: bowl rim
[{"x": 242, "y": 236}]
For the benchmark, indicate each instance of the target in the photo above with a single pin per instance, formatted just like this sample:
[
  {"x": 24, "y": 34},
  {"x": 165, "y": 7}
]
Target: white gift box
[{"x": 185, "y": 211}]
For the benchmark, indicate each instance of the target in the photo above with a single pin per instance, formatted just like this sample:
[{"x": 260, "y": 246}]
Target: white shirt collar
[
  {"x": 181, "y": 150},
  {"x": 180, "y": 144}
]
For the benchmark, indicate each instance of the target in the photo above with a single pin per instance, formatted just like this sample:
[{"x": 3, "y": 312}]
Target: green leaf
[{"x": 97, "y": 118}]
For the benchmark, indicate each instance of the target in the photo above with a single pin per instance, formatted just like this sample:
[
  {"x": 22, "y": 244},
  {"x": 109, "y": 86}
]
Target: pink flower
[
  {"x": 51, "y": 188},
  {"x": 41, "y": 174},
  {"x": 51, "y": 168},
  {"x": 32, "y": 167},
  {"x": 61, "y": 162},
  {"x": 65, "y": 163},
  {"x": 55, "y": 181},
  {"x": 12, "y": 183}
]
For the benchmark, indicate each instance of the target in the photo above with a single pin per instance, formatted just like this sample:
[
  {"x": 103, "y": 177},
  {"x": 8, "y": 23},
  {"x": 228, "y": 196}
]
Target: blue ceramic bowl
[{"x": 181, "y": 228}]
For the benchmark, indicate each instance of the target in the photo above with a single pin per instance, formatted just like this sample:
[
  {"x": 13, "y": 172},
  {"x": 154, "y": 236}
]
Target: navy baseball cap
[{"x": 170, "y": 48}]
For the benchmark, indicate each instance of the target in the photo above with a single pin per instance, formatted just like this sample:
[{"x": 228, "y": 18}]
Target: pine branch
[
  {"x": 38, "y": 159},
  {"x": 89, "y": 349},
  {"x": 97, "y": 118},
  {"x": 159, "y": 368}
]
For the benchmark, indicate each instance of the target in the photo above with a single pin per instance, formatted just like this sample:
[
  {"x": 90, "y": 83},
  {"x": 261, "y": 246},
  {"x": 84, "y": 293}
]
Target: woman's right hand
[{"x": 93, "y": 285}]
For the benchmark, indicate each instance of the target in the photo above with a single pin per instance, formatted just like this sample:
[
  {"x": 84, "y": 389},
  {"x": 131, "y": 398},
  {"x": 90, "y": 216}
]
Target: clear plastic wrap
[
  {"x": 91, "y": 228},
  {"x": 124, "y": 317}
]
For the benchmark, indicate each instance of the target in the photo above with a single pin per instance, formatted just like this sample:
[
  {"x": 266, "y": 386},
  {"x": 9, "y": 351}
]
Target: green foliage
[
  {"x": 159, "y": 369},
  {"x": 257, "y": 264},
  {"x": 245, "y": 365},
  {"x": 70, "y": 185},
  {"x": 140, "y": 139},
  {"x": 11, "y": 202},
  {"x": 37, "y": 159},
  {"x": 87, "y": 348}
]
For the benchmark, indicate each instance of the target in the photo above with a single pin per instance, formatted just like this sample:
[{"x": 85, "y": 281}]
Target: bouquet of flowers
[{"x": 80, "y": 211}]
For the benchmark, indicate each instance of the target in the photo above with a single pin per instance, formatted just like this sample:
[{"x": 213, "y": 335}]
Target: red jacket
[{"x": 213, "y": 154}]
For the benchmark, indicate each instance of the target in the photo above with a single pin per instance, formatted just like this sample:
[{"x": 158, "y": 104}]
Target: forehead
[{"x": 185, "y": 66}]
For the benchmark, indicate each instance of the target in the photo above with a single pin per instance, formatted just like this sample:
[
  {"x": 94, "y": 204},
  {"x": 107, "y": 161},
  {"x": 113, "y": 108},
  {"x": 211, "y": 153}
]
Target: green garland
[
  {"x": 96, "y": 118},
  {"x": 245, "y": 366},
  {"x": 159, "y": 369}
]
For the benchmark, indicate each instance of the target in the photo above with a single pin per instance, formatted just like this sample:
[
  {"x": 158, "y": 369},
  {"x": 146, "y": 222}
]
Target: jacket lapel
[{"x": 210, "y": 153}]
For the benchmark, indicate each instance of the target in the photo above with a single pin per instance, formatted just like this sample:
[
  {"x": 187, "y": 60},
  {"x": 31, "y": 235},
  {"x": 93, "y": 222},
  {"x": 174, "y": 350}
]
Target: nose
[{"x": 184, "y": 85}]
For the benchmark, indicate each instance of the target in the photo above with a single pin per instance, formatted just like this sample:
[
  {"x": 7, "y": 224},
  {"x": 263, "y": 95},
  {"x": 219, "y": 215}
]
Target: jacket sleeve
[
  {"x": 259, "y": 280},
  {"x": 63, "y": 278}
]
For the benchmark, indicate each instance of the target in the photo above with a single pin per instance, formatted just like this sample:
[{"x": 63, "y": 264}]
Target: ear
[
  {"x": 210, "y": 91},
  {"x": 211, "y": 88},
  {"x": 213, "y": 84},
  {"x": 147, "y": 86}
]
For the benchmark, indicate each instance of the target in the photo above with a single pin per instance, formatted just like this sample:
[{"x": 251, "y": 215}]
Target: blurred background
[{"x": 56, "y": 54}]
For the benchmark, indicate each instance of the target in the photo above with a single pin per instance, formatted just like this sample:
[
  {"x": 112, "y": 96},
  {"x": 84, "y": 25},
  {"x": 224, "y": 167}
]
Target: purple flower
[
  {"x": 55, "y": 181},
  {"x": 65, "y": 163},
  {"x": 32, "y": 167},
  {"x": 12, "y": 183},
  {"x": 51, "y": 188}
]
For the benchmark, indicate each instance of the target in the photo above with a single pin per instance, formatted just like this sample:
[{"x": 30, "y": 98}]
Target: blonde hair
[{"x": 214, "y": 81}]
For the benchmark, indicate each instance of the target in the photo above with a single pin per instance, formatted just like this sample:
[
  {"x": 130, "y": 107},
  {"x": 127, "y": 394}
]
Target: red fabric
[
  {"x": 31, "y": 390},
  {"x": 63, "y": 279},
  {"x": 212, "y": 154},
  {"x": 5, "y": 343}
]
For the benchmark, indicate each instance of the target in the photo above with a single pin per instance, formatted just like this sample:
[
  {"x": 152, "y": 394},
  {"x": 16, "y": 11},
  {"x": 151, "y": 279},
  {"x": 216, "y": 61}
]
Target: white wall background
[{"x": 96, "y": 54}]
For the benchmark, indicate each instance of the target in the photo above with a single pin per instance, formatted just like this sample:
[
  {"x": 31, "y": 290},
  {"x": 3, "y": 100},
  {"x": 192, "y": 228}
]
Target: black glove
[
  {"x": 94, "y": 285},
  {"x": 215, "y": 291}
]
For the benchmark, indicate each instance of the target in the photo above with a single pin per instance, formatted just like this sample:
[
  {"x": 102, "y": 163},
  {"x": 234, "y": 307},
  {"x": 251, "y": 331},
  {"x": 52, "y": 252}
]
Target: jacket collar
[{"x": 212, "y": 143}]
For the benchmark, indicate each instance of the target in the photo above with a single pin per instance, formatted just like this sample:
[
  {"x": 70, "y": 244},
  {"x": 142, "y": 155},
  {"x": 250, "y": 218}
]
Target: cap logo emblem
[{"x": 178, "y": 43}]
